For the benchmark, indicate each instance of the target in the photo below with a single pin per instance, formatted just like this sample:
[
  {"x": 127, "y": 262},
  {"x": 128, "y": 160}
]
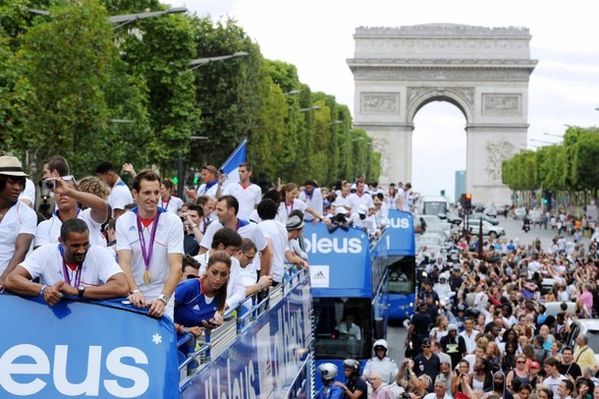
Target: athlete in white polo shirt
[
  {"x": 71, "y": 267},
  {"x": 168, "y": 201},
  {"x": 226, "y": 210},
  {"x": 248, "y": 195},
  {"x": 149, "y": 244},
  {"x": 17, "y": 220}
]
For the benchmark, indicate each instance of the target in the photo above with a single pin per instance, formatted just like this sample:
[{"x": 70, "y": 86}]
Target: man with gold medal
[{"x": 149, "y": 244}]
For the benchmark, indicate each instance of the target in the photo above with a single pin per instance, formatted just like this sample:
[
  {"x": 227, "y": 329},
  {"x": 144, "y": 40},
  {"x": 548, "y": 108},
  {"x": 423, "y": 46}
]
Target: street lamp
[
  {"x": 198, "y": 62},
  {"x": 125, "y": 19},
  {"x": 314, "y": 107}
]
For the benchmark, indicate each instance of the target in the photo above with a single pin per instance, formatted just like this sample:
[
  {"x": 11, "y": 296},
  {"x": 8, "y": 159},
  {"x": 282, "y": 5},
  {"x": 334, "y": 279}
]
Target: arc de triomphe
[{"x": 483, "y": 71}]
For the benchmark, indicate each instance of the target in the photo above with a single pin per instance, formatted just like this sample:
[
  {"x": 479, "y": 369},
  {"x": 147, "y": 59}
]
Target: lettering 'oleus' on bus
[
  {"x": 338, "y": 245},
  {"x": 30, "y": 374},
  {"x": 399, "y": 223}
]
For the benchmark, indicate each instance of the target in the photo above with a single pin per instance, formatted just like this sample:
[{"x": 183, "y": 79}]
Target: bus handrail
[{"x": 203, "y": 356}]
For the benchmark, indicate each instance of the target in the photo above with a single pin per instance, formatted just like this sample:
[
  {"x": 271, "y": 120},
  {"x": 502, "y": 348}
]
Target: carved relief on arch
[{"x": 463, "y": 97}]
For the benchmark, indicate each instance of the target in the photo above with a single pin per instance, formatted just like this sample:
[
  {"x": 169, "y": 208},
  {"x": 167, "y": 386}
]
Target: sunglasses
[
  {"x": 426, "y": 346},
  {"x": 520, "y": 361}
]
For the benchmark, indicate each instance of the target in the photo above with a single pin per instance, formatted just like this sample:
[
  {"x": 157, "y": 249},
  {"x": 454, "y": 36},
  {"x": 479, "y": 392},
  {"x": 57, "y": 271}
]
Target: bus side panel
[
  {"x": 79, "y": 348},
  {"x": 268, "y": 360}
]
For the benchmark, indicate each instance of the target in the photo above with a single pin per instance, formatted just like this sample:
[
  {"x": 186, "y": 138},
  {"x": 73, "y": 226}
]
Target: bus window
[
  {"x": 401, "y": 276},
  {"x": 435, "y": 208},
  {"x": 343, "y": 328}
]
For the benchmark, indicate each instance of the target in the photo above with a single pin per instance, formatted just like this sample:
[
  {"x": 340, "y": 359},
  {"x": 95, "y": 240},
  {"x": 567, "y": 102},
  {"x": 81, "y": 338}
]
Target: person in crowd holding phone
[
  {"x": 200, "y": 302},
  {"x": 68, "y": 198}
]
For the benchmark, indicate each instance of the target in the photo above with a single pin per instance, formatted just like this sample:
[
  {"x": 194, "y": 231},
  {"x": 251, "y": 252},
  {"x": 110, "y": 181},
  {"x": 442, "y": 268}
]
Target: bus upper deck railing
[{"x": 236, "y": 322}]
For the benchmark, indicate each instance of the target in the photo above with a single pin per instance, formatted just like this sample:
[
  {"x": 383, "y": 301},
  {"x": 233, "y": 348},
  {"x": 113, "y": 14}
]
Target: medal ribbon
[
  {"x": 146, "y": 253},
  {"x": 67, "y": 276}
]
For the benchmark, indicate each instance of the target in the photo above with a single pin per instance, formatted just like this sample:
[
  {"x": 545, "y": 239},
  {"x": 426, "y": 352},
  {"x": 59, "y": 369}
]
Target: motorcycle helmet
[
  {"x": 380, "y": 343},
  {"x": 328, "y": 371},
  {"x": 351, "y": 363}
]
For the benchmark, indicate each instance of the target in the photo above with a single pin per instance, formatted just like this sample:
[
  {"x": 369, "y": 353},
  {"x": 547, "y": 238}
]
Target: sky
[{"x": 317, "y": 37}]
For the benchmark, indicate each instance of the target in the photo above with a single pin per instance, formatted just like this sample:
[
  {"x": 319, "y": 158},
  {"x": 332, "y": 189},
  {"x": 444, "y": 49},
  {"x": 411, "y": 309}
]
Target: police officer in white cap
[
  {"x": 381, "y": 363},
  {"x": 329, "y": 390}
]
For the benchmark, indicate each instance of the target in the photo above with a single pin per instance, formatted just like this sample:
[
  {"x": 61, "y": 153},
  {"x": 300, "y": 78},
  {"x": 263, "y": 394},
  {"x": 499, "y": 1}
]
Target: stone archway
[{"x": 483, "y": 71}]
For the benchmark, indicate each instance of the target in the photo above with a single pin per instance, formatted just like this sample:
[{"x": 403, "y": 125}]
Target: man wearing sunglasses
[{"x": 427, "y": 362}]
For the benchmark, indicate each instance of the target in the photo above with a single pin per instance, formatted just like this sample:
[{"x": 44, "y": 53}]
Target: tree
[{"x": 67, "y": 61}]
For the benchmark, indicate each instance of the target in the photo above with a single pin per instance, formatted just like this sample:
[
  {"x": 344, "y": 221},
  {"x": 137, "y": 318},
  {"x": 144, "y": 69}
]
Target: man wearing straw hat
[{"x": 17, "y": 220}]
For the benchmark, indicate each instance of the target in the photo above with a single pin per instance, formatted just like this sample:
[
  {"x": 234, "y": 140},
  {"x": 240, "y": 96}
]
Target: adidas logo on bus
[{"x": 325, "y": 245}]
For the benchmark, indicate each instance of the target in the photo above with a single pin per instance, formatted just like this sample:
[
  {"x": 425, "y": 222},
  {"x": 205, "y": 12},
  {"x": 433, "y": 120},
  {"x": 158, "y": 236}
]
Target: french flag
[{"x": 230, "y": 167}]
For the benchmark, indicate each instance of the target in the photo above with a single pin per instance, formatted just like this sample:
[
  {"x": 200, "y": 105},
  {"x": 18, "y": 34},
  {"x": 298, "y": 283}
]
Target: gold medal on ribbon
[{"x": 147, "y": 277}]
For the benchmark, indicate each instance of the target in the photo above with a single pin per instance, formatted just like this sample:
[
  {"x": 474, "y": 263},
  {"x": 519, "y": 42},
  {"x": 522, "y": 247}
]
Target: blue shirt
[
  {"x": 190, "y": 304},
  {"x": 330, "y": 392}
]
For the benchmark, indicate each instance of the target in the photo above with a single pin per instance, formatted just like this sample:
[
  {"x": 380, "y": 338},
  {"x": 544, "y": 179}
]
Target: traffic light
[{"x": 468, "y": 202}]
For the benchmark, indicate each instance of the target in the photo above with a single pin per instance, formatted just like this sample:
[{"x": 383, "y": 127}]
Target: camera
[{"x": 49, "y": 184}]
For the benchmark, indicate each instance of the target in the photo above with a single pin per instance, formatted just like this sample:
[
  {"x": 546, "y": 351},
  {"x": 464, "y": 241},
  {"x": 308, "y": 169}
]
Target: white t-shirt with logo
[
  {"x": 168, "y": 240},
  {"x": 247, "y": 197},
  {"x": 19, "y": 219},
  {"x": 276, "y": 233},
  {"x": 48, "y": 231},
  {"x": 46, "y": 262}
]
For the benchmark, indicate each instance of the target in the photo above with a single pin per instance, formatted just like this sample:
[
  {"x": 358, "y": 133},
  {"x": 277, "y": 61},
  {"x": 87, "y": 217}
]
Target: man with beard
[
  {"x": 72, "y": 267},
  {"x": 453, "y": 344}
]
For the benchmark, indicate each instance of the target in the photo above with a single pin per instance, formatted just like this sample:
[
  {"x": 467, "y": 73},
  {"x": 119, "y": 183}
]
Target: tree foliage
[
  {"x": 571, "y": 166},
  {"x": 72, "y": 83}
]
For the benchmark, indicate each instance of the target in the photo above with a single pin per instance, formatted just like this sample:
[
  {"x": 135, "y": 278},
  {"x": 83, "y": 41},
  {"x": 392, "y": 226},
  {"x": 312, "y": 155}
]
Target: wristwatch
[
  {"x": 164, "y": 298},
  {"x": 81, "y": 291}
]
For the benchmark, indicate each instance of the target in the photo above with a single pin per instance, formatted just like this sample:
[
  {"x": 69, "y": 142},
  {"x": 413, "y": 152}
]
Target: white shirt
[
  {"x": 470, "y": 340},
  {"x": 173, "y": 204},
  {"x": 48, "y": 231},
  {"x": 19, "y": 219},
  {"x": 247, "y": 197},
  {"x": 249, "y": 230},
  {"x": 120, "y": 196},
  {"x": 46, "y": 262},
  {"x": 285, "y": 210},
  {"x": 314, "y": 201},
  {"x": 239, "y": 277},
  {"x": 433, "y": 395},
  {"x": 367, "y": 224},
  {"x": 554, "y": 383},
  {"x": 354, "y": 201},
  {"x": 352, "y": 333},
  {"x": 276, "y": 233},
  {"x": 235, "y": 286},
  {"x": 204, "y": 190},
  {"x": 386, "y": 368},
  {"x": 168, "y": 240},
  {"x": 29, "y": 192},
  {"x": 341, "y": 201}
]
